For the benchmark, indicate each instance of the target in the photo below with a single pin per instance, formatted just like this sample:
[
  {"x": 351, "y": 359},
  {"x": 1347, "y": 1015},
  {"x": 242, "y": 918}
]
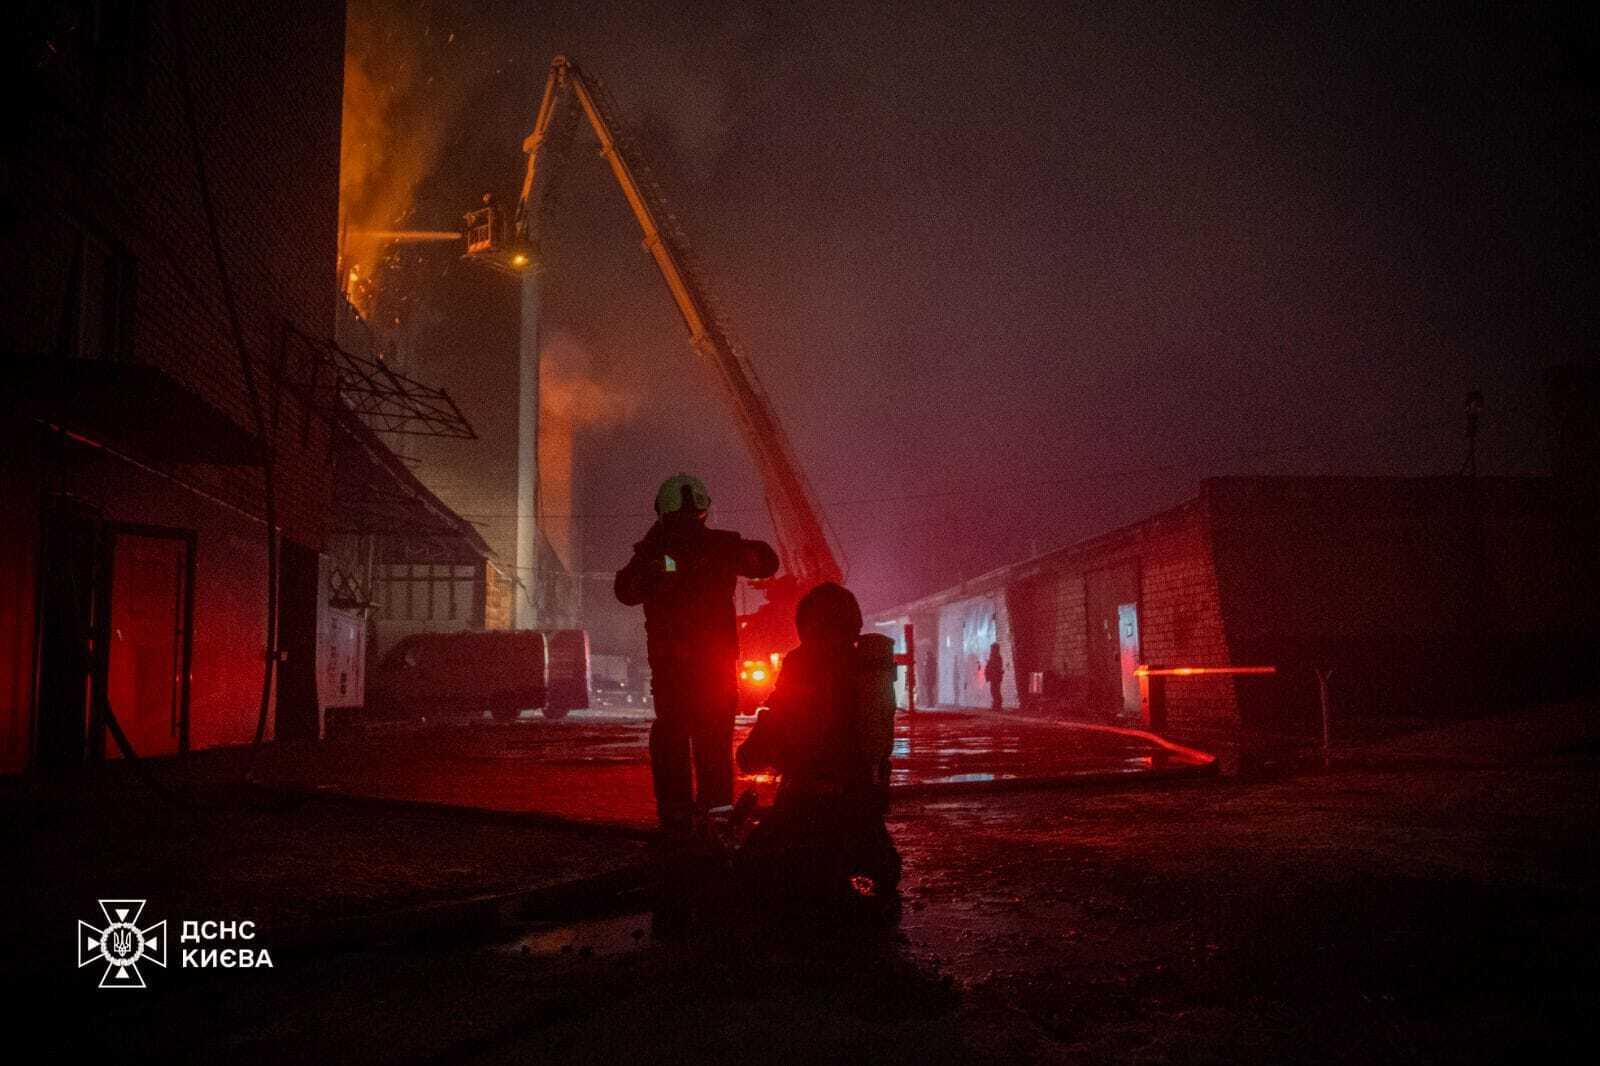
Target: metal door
[{"x": 149, "y": 579}]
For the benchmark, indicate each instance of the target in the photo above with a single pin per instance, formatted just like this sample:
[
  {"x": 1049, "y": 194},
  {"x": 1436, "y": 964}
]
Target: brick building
[
  {"x": 1423, "y": 595},
  {"x": 136, "y": 428}
]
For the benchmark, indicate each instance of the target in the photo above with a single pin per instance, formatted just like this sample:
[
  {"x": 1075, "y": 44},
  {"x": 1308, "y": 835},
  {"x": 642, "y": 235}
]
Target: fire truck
[{"x": 510, "y": 244}]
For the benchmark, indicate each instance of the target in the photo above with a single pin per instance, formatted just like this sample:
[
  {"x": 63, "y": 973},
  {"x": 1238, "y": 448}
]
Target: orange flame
[{"x": 391, "y": 139}]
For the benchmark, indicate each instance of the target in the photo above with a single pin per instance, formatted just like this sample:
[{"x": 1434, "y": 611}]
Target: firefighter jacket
[{"x": 685, "y": 576}]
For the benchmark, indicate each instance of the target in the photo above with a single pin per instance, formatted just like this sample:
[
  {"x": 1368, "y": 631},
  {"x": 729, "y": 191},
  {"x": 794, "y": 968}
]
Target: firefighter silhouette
[{"x": 684, "y": 574}]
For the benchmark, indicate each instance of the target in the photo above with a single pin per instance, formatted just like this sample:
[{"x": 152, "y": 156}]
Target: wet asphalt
[{"x": 593, "y": 766}]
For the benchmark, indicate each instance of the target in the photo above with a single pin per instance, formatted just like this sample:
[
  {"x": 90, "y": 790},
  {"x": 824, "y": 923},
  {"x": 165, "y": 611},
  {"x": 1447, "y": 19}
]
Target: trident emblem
[{"x": 122, "y": 944}]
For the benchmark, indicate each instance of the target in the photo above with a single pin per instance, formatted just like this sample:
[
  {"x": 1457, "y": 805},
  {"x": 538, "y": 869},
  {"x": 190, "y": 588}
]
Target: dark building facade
[
  {"x": 1421, "y": 595},
  {"x": 170, "y": 204}
]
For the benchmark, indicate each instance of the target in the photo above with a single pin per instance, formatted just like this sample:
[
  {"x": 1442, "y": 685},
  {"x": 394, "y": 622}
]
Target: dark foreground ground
[{"x": 1431, "y": 900}]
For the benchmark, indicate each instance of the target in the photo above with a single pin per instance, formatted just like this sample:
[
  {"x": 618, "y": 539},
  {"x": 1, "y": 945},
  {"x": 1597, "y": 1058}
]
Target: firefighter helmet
[
  {"x": 829, "y": 610},
  {"x": 681, "y": 489}
]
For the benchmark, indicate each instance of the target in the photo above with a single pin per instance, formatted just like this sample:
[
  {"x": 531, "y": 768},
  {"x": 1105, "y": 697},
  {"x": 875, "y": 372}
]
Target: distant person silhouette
[{"x": 994, "y": 672}]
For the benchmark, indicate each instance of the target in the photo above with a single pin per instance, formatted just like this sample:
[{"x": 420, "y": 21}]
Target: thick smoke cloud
[{"x": 1017, "y": 276}]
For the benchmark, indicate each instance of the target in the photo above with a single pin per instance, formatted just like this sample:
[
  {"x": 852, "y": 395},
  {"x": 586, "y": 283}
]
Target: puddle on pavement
[{"x": 598, "y": 937}]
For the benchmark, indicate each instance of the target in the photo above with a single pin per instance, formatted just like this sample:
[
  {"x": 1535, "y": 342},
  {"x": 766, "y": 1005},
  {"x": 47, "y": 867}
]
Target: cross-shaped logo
[{"x": 122, "y": 944}]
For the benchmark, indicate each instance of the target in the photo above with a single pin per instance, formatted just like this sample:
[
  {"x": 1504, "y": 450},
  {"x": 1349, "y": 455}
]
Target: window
[
  {"x": 97, "y": 322},
  {"x": 78, "y": 51},
  {"x": 428, "y": 592},
  {"x": 75, "y": 299}
]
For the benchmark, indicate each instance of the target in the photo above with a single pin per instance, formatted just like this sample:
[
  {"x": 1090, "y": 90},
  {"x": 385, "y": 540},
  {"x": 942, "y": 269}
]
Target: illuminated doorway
[
  {"x": 1128, "y": 658},
  {"x": 116, "y": 610},
  {"x": 149, "y": 611}
]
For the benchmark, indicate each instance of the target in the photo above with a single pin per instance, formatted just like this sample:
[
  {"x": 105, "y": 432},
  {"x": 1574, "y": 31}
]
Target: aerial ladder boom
[{"x": 803, "y": 544}]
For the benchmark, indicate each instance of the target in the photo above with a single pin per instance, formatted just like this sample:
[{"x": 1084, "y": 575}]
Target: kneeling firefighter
[{"x": 828, "y": 731}]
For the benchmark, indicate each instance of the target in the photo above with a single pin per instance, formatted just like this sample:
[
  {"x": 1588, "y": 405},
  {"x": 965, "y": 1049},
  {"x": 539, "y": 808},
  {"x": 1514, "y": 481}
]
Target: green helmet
[{"x": 670, "y": 496}]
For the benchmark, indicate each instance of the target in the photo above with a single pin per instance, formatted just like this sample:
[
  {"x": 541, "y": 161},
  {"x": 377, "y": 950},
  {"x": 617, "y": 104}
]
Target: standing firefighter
[
  {"x": 685, "y": 574},
  {"x": 994, "y": 672}
]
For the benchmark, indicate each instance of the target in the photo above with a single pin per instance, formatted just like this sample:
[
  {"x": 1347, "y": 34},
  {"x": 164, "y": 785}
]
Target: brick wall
[
  {"x": 1382, "y": 580},
  {"x": 1050, "y": 633},
  {"x": 267, "y": 83},
  {"x": 497, "y": 597},
  {"x": 1063, "y": 620},
  {"x": 1366, "y": 575},
  {"x": 1180, "y": 624},
  {"x": 101, "y": 171}
]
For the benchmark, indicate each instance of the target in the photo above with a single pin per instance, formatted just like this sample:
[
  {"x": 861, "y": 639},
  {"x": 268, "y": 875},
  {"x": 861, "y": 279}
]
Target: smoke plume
[{"x": 395, "y": 119}]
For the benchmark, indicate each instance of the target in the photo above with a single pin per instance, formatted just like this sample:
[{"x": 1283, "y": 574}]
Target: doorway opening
[
  {"x": 298, "y": 716},
  {"x": 1128, "y": 658},
  {"x": 116, "y": 637}
]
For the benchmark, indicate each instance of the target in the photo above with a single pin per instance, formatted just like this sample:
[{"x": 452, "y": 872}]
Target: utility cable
[
  {"x": 246, "y": 364},
  {"x": 987, "y": 492}
]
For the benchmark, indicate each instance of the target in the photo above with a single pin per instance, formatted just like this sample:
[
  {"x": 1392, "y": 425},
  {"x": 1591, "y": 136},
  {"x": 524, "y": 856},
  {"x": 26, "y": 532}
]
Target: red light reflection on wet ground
[{"x": 594, "y": 766}]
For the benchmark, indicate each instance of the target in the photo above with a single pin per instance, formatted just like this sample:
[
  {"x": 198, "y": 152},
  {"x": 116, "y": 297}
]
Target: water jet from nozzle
[{"x": 408, "y": 234}]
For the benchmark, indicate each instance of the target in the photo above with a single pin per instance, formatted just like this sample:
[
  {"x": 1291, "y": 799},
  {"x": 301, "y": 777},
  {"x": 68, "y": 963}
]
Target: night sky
[{"x": 1017, "y": 274}]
